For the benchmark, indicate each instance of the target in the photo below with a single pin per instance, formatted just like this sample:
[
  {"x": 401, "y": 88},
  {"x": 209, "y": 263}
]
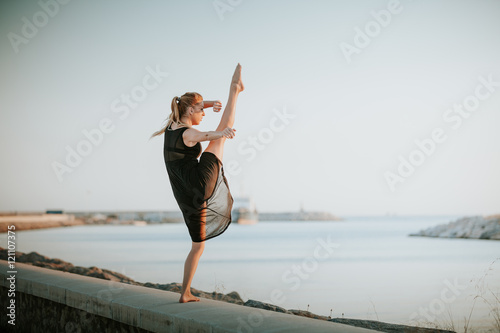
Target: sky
[{"x": 350, "y": 107}]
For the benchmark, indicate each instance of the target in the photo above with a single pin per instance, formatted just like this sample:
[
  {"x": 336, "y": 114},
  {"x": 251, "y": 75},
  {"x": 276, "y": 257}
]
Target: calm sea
[{"x": 362, "y": 267}]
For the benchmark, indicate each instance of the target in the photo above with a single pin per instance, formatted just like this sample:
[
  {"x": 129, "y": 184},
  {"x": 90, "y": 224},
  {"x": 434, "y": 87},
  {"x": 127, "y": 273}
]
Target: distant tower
[{"x": 301, "y": 207}]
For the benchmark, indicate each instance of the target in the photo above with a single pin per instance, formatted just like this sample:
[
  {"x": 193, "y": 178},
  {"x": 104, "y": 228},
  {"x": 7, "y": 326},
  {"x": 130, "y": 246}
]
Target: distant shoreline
[
  {"x": 37, "y": 221},
  {"x": 40, "y": 220},
  {"x": 461, "y": 228}
]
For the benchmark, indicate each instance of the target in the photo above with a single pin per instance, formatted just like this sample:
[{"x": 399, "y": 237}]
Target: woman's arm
[
  {"x": 191, "y": 136},
  {"x": 217, "y": 105}
]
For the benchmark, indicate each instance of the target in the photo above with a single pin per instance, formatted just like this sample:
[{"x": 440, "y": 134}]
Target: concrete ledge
[{"x": 151, "y": 309}]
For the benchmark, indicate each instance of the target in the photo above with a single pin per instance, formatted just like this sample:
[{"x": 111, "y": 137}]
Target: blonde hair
[{"x": 179, "y": 108}]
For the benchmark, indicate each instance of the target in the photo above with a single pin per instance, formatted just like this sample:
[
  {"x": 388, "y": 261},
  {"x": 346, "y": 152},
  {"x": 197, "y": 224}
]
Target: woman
[{"x": 200, "y": 187}]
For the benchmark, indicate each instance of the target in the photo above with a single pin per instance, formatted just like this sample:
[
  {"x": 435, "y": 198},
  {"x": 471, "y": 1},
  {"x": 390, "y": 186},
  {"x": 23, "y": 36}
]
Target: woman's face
[{"x": 198, "y": 113}]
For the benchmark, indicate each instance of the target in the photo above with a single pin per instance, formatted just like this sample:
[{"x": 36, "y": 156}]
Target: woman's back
[
  {"x": 174, "y": 148},
  {"x": 181, "y": 163}
]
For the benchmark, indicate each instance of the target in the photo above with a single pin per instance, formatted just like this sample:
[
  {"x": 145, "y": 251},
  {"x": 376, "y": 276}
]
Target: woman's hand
[
  {"x": 217, "y": 106},
  {"x": 229, "y": 132}
]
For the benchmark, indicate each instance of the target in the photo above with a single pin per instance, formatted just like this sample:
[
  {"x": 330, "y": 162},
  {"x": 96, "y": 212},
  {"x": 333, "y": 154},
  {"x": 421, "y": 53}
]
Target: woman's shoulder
[{"x": 177, "y": 127}]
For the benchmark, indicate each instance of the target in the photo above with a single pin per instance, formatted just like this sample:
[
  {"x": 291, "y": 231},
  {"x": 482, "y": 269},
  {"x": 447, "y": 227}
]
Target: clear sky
[{"x": 337, "y": 95}]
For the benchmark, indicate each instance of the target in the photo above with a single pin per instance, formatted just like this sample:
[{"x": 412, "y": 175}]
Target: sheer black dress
[{"x": 200, "y": 187}]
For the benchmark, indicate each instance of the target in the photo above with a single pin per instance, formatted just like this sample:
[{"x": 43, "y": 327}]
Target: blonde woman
[{"x": 199, "y": 186}]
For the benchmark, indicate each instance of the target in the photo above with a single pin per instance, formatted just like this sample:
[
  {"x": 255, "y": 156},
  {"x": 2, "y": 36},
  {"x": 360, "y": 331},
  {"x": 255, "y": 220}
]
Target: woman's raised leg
[
  {"x": 189, "y": 269},
  {"x": 227, "y": 119}
]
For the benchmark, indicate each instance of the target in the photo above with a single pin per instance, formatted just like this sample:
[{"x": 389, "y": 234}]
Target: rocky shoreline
[
  {"x": 474, "y": 227},
  {"x": 36, "y": 259}
]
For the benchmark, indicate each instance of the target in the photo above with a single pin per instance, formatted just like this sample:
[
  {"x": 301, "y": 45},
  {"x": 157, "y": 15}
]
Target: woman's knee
[
  {"x": 216, "y": 144},
  {"x": 198, "y": 247},
  {"x": 217, "y": 150}
]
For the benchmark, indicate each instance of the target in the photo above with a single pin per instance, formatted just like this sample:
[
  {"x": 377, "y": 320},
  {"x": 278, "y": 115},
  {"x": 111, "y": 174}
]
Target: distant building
[
  {"x": 54, "y": 211},
  {"x": 244, "y": 211}
]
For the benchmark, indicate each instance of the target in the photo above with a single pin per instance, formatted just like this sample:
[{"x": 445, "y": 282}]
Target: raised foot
[
  {"x": 236, "y": 82},
  {"x": 188, "y": 298}
]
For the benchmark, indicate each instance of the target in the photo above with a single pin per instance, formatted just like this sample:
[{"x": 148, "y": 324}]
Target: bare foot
[
  {"x": 188, "y": 298},
  {"x": 236, "y": 82}
]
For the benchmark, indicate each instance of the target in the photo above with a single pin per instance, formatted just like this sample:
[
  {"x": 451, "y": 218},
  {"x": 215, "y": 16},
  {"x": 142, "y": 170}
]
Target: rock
[
  {"x": 114, "y": 276},
  {"x": 234, "y": 297},
  {"x": 31, "y": 257},
  {"x": 307, "y": 314},
  {"x": 386, "y": 327},
  {"x": 265, "y": 306},
  {"x": 476, "y": 227},
  {"x": 66, "y": 267},
  {"x": 79, "y": 270}
]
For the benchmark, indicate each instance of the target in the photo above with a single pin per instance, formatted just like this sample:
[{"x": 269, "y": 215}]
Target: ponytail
[{"x": 179, "y": 107}]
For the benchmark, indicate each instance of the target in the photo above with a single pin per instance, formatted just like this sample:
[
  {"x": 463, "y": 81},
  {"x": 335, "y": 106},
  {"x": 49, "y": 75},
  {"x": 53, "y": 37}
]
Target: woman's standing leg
[
  {"x": 189, "y": 270},
  {"x": 227, "y": 120},
  {"x": 216, "y": 147}
]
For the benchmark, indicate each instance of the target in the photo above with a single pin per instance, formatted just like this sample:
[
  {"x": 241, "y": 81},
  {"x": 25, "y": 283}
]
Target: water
[{"x": 364, "y": 267}]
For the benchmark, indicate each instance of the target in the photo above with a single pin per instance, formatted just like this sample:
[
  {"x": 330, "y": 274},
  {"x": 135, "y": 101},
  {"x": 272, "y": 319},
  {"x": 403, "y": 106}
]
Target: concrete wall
[
  {"x": 53, "y": 301},
  {"x": 37, "y": 314}
]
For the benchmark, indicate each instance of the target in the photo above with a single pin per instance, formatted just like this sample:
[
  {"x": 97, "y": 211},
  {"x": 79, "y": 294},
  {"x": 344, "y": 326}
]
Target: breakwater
[{"x": 475, "y": 227}]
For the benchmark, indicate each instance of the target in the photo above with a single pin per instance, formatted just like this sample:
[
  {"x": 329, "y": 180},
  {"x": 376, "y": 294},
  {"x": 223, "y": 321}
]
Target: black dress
[{"x": 200, "y": 187}]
